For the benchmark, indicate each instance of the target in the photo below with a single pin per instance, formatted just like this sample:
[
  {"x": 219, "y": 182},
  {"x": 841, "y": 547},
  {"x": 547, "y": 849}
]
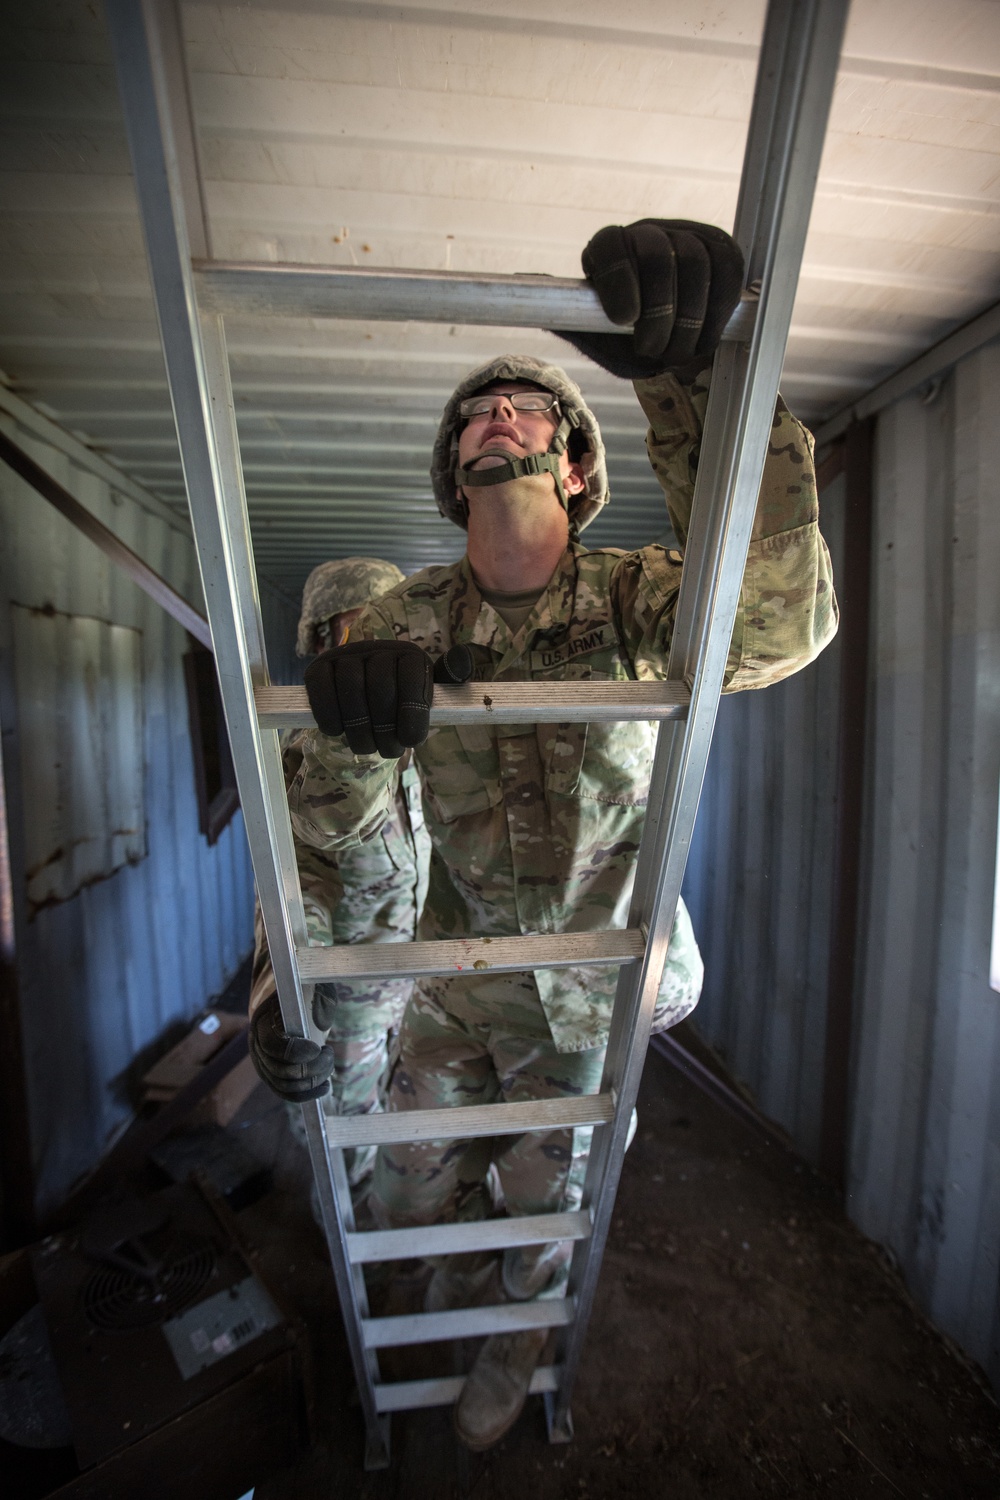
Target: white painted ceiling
[{"x": 468, "y": 135}]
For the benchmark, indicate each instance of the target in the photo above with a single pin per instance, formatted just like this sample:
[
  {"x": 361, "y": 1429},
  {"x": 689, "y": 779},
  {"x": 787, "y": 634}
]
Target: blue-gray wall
[
  {"x": 924, "y": 1154},
  {"x": 104, "y": 975},
  {"x": 279, "y": 611},
  {"x": 759, "y": 881},
  {"x": 925, "y": 1158}
]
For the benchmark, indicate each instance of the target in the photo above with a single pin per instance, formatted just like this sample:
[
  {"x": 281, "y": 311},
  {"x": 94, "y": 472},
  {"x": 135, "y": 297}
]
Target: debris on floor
[
  {"x": 746, "y": 1340},
  {"x": 142, "y": 1353},
  {"x": 183, "y": 1064}
]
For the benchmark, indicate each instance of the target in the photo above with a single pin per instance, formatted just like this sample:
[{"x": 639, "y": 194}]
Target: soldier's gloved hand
[
  {"x": 678, "y": 282},
  {"x": 455, "y": 666},
  {"x": 378, "y": 693},
  {"x": 292, "y": 1066}
]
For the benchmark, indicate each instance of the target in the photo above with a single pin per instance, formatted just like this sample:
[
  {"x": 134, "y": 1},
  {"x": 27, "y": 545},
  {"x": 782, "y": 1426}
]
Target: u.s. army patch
[{"x": 596, "y": 639}]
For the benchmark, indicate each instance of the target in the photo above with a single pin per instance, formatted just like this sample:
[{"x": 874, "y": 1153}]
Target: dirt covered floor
[{"x": 746, "y": 1341}]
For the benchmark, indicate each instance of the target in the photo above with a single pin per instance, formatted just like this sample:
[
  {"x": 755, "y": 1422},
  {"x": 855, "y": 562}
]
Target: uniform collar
[
  {"x": 474, "y": 622},
  {"x": 485, "y": 628}
]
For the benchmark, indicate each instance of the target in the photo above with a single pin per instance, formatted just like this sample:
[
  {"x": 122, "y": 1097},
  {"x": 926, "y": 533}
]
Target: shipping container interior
[{"x": 844, "y": 878}]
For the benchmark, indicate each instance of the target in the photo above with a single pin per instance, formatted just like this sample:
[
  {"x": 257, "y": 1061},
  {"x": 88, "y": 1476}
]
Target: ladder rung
[
  {"x": 456, "y": 1239},
  {"x": 467, "y": 1322},
  {"x": 501, "y": 955},
  {"x": 509, "y": 703},
  {"x": 290, "y": 290},
  {"x": 407, "y": 1395},
  {"x": 345, "y": 1131}
]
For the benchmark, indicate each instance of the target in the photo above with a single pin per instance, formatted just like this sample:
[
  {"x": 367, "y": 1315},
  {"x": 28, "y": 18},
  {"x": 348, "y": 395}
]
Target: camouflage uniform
[
  {"x": 369, "y": 894},
  {"x": 535, "y": 828}
]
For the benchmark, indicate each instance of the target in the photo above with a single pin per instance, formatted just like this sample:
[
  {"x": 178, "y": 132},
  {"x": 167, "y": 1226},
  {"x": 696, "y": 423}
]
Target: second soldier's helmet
[
  {"x": 584, "y": 437},
  {"x": 334, "y": 587}
]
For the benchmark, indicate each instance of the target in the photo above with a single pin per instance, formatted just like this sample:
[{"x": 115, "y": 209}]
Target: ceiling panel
[{"x": 468, "y": 136}]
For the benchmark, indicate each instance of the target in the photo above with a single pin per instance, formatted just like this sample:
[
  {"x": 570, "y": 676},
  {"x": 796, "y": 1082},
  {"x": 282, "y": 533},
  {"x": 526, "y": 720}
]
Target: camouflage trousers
[
  {"x": 360, "y": 1021},
  {"x": 482, "y": 1057},
  {"x": 468, "y": 1041}
]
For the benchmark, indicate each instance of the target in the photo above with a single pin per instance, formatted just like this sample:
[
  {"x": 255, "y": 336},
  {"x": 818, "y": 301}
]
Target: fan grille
[{"x": 116, "y": 1301}]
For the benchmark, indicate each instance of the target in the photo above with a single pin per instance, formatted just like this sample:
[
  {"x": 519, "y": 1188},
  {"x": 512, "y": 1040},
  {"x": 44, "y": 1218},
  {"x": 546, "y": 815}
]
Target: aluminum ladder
[{"x": 193, "y": 293}]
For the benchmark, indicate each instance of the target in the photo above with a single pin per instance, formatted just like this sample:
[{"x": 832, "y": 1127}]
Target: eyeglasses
[{"x": 481, "y": 406}]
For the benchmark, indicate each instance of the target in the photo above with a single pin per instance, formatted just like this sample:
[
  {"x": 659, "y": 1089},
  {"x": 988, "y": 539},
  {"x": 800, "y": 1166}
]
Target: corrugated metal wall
[
  {"x": 105, "y": 974},
  {"x": 759, "y": 881},
  {"x": 925, "y": 1159},
  {"x": 924, "y": 1166},
  {"x": 280, "y": 613}
]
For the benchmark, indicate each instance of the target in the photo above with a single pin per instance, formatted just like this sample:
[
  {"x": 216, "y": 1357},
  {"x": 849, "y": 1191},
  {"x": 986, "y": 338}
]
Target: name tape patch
[{"x": 597, "y": 639}]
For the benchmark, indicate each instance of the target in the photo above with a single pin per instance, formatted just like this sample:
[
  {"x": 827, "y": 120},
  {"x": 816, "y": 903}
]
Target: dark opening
[{"x": 214, "y": 777}]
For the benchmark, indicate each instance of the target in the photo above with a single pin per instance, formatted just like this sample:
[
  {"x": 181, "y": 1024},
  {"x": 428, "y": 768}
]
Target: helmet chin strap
[{"x": 520, "y": 468}]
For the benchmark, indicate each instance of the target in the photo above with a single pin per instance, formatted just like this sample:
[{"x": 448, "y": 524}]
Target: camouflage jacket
[
  {"x": 535, "y": 828},
  {"x": 370, "y": 893}
]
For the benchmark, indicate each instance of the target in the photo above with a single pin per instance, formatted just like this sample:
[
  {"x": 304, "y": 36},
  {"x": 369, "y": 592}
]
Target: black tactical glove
[
  {"x": 292, "y": 1066},
  {"x": 678, "y": 282},
  {"x": 378, "y": 693},
  {"x": 325, "y": 1005}
]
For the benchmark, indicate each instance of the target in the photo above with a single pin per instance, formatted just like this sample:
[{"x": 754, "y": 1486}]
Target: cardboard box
[{"x": 182, "y": 1064}]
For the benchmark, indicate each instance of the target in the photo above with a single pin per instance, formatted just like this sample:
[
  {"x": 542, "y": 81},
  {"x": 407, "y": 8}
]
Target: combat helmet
[
  {"x": 446, "y": 474},
  {"x": 334, "y": 587}
]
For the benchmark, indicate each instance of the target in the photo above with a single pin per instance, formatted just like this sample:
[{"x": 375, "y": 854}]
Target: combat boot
[
  {"x": 472, "y": 1282},
  {"x": 360, "y": 1164},
  {"x": 528, "y": 1272},
  {"x": 495, "y": 1391}
]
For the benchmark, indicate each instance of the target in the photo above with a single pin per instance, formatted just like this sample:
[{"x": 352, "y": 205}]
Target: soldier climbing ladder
[{"x": 193, "y": 293}]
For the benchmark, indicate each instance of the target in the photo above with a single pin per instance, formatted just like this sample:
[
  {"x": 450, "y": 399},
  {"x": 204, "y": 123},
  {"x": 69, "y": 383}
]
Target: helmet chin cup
[
  {"x": 449, "y": 479},
  {"x": 516, "y": 468},
  {"x": 522, "y": 468}
]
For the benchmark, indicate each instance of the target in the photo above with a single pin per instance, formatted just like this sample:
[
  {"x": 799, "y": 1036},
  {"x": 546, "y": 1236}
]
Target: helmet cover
[
  {"x": 334, "y": 587},
  {"x": 583, "y": 507}
]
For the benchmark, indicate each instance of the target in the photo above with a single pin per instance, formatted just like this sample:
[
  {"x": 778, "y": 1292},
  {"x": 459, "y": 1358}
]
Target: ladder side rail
[
  {"x": 144, "y": 36},
  {"x": 183, "y": 137},
  {"x": 795, "y": 82},
  {"x": 272, "y": 849},
  {"x": 671, "y": 771},
  {"x": 148, "y": 52}
]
